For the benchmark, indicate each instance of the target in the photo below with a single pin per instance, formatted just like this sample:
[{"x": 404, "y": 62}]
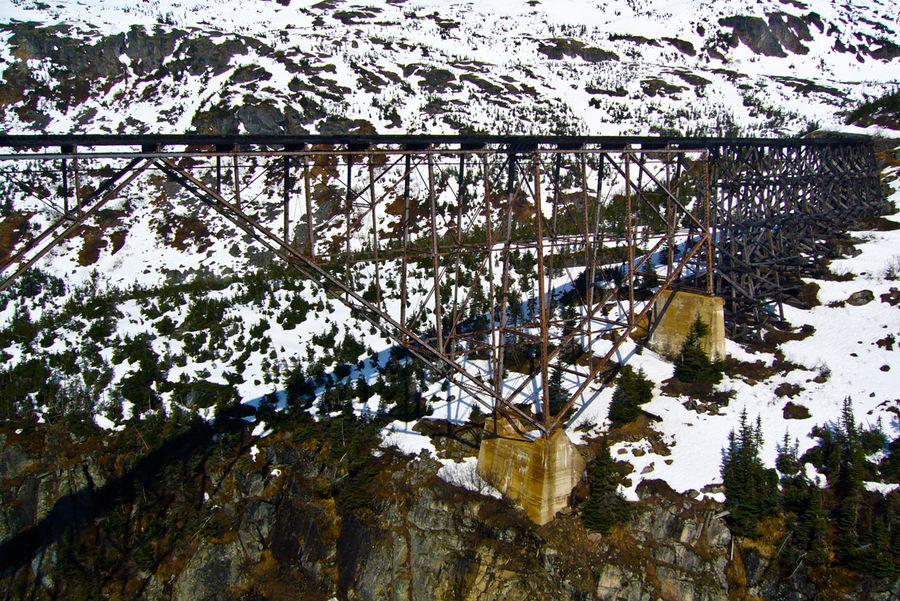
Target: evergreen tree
[
  {"x": 693, "y": 364},
  {"x": 633, "y": 389},
  {"x": 751, "y": 490},
  {"x": 555, "y": 391},
  {"x": 890, "y": 464},
  {"x": 299, "y": 392},
  {"x": 605, "y": 506},
  {"x": 878, "y": 560},
  {"x": 817, "y": 548},
  {"x": 794, "y": 487}
]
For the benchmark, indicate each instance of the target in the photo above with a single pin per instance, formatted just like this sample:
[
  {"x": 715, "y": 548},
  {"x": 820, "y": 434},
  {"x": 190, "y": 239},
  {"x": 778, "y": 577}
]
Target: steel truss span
[{"x": 502, "y": 263}]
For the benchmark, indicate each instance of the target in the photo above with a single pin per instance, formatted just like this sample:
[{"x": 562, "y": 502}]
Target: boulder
[{"x": 862, "y": 297}]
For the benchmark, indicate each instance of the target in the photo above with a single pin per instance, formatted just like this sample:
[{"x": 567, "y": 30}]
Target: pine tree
[
  {"x": 751, "y": 490},
  {"x": 693, "y": 364},
  {"x": 605, "y": 506},
  {"x": 817, "y": 546},
  {"x": 794, "y": 487},
  {"x": 878, "y": 560},
  {"x": 632, "y": 390},
  {"x": 299, "y": 392},
  {"x": 556, "y": 394}
]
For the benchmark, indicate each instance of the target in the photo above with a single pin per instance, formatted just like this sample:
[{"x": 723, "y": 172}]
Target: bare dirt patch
[{"x": 12, "y": 229}]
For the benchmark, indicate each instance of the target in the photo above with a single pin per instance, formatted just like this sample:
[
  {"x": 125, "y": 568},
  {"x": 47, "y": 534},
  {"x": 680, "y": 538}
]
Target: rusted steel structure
[{"x": 503, "y": 263}]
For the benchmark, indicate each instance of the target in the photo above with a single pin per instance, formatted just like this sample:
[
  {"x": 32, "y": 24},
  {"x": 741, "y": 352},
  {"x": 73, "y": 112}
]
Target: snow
[
  {"x": 496, "y": 39},
  {"x": 697, "y": 440},
  {"x": 400, "y": 434},
  {"x": 260, "y": 430},
  {"x": 106, "y": 424},
  {"x": 881, "y": 487},
  {"x": 465, "y": 474}
]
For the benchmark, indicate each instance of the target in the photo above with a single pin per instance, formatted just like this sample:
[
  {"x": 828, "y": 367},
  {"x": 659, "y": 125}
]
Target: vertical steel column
[
  {"x": 706, "y": 223},
  {"x": 589, "y": 272},
  {"x": 237, "y": 181},
  {"x": 349, "y": 206},
  {"x": 375, "y": 241},
  {"x": 77, "y": 175},
  {"x": 404, "y": 261},
  {"x": 459, "y": 249},
  {"x": 310, "y": 229},
  {"x": 219, "y": 174},
  {"x": 630, "y": 235},
  {"x": 65, "y": 185},
  {"x": 489, "y": 229},
  {"x": 287, "y": 191},
  {"x": 435, "y": 259},
  {"x": 554, "y": 248},
  {"x": 670, "y": 225},
  {"x": 596, "y": 245},
  {"x": 542, "y": 301},
  {"x": 504, "y": 282}
]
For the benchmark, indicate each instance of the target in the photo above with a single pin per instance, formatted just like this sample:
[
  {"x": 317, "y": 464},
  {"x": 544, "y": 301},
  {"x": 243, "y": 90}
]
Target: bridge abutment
[{"x": 537, "y": 474}]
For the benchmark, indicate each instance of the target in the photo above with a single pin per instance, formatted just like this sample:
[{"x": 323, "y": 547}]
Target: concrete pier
[
  {"x": 537, "y": 474},
  {"x": 675, "y": 312}
]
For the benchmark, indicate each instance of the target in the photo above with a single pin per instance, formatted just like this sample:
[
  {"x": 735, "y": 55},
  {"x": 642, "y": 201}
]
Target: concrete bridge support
[
  {"x": 537, "y": 474},
  {"x": 674, "y": 313}
]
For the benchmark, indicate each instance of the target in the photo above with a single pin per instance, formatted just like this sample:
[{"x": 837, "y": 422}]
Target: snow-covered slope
[
  {"x": 504, "y": 66},
  {"x": 494, "y": 66}
]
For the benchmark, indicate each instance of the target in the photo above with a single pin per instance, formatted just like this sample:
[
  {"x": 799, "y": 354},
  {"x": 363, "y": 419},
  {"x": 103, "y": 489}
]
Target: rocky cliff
[{"x": 310, "y": 514}]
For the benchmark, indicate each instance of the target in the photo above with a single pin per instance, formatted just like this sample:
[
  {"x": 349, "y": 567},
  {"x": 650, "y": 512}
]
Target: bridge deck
[{"x": 417, "y": 141}]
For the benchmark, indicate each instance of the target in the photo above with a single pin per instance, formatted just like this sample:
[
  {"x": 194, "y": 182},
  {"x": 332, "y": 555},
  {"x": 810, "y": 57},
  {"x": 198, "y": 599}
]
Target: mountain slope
[{"x": 499, "y": 67}]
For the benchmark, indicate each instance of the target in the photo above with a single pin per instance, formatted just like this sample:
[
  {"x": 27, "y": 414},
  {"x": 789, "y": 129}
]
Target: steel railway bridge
[{"x": 540, "y": 254}]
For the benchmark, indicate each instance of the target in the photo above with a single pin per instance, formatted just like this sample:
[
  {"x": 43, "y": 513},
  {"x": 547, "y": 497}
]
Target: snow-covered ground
[
  {"x": 674, "y": 68},
  {"x": 499, "y": 66}
]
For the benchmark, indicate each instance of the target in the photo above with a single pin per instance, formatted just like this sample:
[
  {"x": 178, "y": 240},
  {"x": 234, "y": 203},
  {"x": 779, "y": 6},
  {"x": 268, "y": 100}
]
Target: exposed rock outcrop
[{"x": 199, "y": 519}]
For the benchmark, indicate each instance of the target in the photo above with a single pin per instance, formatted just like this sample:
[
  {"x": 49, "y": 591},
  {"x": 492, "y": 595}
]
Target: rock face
[
  {"x": 680, "y": 546},
  {"x": 782, "y": 32},
  {"x": 272, "y": 527}
]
